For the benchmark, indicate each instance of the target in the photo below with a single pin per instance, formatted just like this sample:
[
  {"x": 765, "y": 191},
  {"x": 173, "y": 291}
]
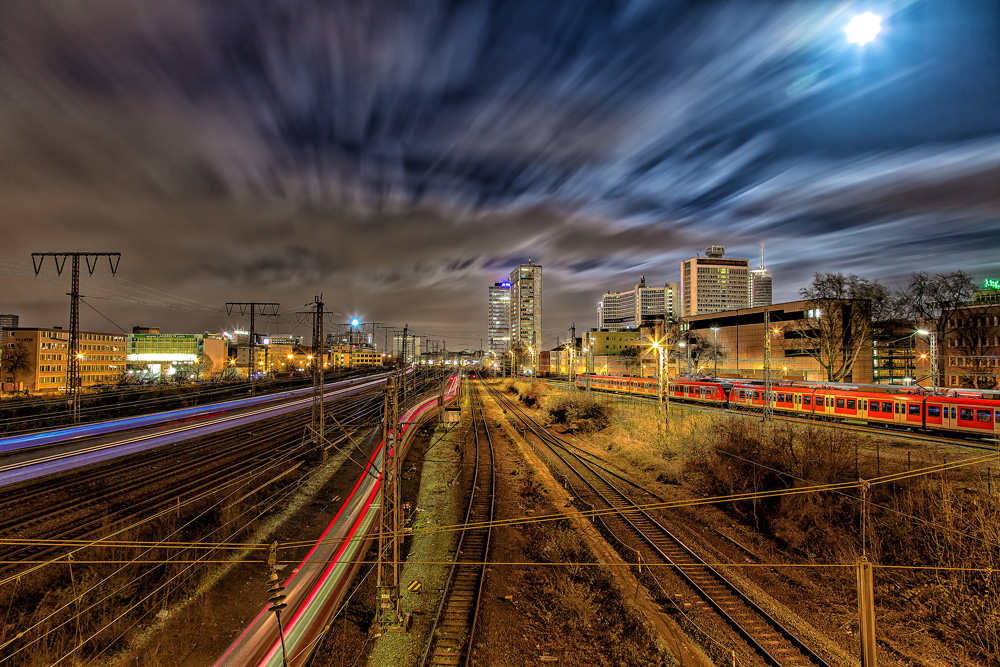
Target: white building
[
  {"x": 639, "y": 306},
  {"x": 498, "y": 319},
  {"x": 413, "y": 347},
  {"x": 526, "y": 305},
  {"x": 713, "y": 283}
]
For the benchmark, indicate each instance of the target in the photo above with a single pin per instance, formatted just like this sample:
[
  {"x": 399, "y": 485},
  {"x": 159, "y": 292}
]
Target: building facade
[
  {"x": 156, "y": 355},
  {"x": 414, "y": 347},
  {"x": 714, "y": 283},
  {"x": 498, "y": 319},
  {"x": 733, "y": 344},
  {"x": 9, "y": 321},
  {"x": 526, "y": 306},
  {"x": 44, "y": 354},
  {"x": 640, "y": 306},
  {"x": 969, "y": 355}
]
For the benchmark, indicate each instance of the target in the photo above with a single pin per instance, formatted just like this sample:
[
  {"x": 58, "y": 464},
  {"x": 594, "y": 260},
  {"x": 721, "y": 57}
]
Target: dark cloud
[{"x": 404, "y": 156}]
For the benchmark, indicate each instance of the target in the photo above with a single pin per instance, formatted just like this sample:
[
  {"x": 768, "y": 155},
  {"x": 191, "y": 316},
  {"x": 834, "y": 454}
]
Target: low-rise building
[
  {"x": 37, "y": 359},
  {"x": 734, "y": 343},
  {"x": 153, "y": 355}
]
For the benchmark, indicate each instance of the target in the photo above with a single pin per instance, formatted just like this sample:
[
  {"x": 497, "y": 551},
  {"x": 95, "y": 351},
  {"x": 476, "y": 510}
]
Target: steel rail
[
  {"x": 232, "y": 460},
  {"x": 755, "y": 626},
  {"x": 454, "y": 627}
]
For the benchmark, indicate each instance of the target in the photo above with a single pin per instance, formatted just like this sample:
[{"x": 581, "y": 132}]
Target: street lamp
[
  {"x": 687, "y": 359},
  {"x": 932, "y": 342},
  {"x": 659, "y": 374},
  {"x": 532, "y": 351}
]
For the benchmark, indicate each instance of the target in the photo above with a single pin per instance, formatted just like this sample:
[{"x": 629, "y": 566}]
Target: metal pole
[
  {"x": 74, "y": 340},
  {"x": 74, "y": 382},
  {"x": 934, "y": 361},
  {"x": 768, "y": 406},
  {"x": 715, "y": 353}
]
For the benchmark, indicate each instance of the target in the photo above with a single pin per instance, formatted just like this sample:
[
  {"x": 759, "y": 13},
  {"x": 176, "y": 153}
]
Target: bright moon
[{"x": 863, "y": 28}]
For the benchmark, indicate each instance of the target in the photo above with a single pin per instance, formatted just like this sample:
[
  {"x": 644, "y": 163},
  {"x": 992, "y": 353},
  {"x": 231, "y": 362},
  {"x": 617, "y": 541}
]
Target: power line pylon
[
  {"x": 267, "y": 309},
  {"x": 318, "y": 424},
  {"x": 59, "y": 258},
  {"x": 389, "y": 534},
  {"x": 768, "y": 384}
]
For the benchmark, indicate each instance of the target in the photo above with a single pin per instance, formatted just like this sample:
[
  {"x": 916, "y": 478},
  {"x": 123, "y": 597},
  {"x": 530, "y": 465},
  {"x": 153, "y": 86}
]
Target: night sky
[{"x": 402, "y": 156}]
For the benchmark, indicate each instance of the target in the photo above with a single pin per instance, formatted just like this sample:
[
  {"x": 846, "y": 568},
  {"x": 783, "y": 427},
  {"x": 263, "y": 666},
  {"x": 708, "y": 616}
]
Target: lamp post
[
  {"x": 715, "y": 350},
  {"x": 932, "y": 342},
  {"x": 659, "y": 375},
  {"x": 533, "y": 373}
]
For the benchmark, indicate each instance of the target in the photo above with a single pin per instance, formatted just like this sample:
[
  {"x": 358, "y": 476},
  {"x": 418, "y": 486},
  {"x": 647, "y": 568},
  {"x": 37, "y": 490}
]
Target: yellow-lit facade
[{"x": 102, "y": 358}]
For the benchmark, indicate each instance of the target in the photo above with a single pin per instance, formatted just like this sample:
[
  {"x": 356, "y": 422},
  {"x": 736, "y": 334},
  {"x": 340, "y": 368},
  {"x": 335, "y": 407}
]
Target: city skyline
[{"x": 615, "y": 141}]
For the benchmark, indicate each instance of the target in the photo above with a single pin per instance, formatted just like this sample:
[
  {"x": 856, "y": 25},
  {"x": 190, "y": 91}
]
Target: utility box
[{"x": 451, "y": 415}]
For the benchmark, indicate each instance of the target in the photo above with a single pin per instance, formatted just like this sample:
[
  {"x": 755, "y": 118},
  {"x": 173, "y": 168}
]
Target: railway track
[
  {"x": 454, "y": 625},
  {"x": 763, "y": 636},
  {"x": 143, "y": 485}
]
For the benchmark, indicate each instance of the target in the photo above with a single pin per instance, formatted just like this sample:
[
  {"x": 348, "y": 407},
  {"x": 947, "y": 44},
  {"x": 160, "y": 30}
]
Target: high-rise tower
[
  {"x": 714, "y": 283},
  {"x": 526, "y": 306},
  {"x": 498, "y": 319},
  {"x": 760, "y": 284}
]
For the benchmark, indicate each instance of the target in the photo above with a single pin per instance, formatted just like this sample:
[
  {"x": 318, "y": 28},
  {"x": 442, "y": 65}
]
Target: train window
[
  {"x": 965, "y": 413},
  {"x": 887, "y": 407},
  {"x": 898, "y": 408},
  {"x": 874, "y": 406},
  {"x": 781, "y": 397},
  {"x": 840, "y": 402},
  {"x": 953, "y": 413},
  {"x": 934, "y": 411},
  {"x": 915, "y": 409},
  {"x": 807, "y": 400},
  {"x": 756, "y": 395},
  {"x": 983, "y": 416},
  {"x": 864, "y": 404},
  {"x": 852, "y": 404}
]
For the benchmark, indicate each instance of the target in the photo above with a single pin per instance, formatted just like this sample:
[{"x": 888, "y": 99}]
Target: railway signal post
[
  {"x": 267, "y": 309},
  {"x": 318, "y": 423},
  {"x": 73, "y": 356},
  {"x": 390, "y": 528},
  {"x": 768, "y": 385}
]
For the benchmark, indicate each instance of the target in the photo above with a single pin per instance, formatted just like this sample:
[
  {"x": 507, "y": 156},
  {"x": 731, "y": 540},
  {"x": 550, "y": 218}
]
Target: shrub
[{"x": 580, "y": 413}]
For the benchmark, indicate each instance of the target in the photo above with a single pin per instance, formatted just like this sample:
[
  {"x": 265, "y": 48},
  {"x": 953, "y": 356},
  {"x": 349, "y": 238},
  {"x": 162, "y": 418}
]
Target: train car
[
  {"x": 966, "y": 412},
  {"x": 963, "y": 414},
  {"x": 902, "y": 409},
  {"x": 619, "y": 384},
  {"x": 701, "y": 390}
]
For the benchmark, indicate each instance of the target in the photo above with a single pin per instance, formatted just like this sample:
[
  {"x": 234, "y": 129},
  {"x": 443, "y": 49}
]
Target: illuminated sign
[
  {"x": 505, "y": 284},
  {"x": 991, "y": 283}
]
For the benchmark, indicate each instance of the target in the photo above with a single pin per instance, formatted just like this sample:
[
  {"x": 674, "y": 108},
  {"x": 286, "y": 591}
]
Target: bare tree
[
  {"x": 17, "y": 359},
  {"x": 630, "y": 357},
  {"x": 701, "y": 349},
  {"x": 977, "y": 344},
  {"x": 838, "y": 329},
  {"x": 938, "y": 299}
]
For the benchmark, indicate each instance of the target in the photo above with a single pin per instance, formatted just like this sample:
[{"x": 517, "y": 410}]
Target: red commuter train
[{"x": 962, "y": 411}]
